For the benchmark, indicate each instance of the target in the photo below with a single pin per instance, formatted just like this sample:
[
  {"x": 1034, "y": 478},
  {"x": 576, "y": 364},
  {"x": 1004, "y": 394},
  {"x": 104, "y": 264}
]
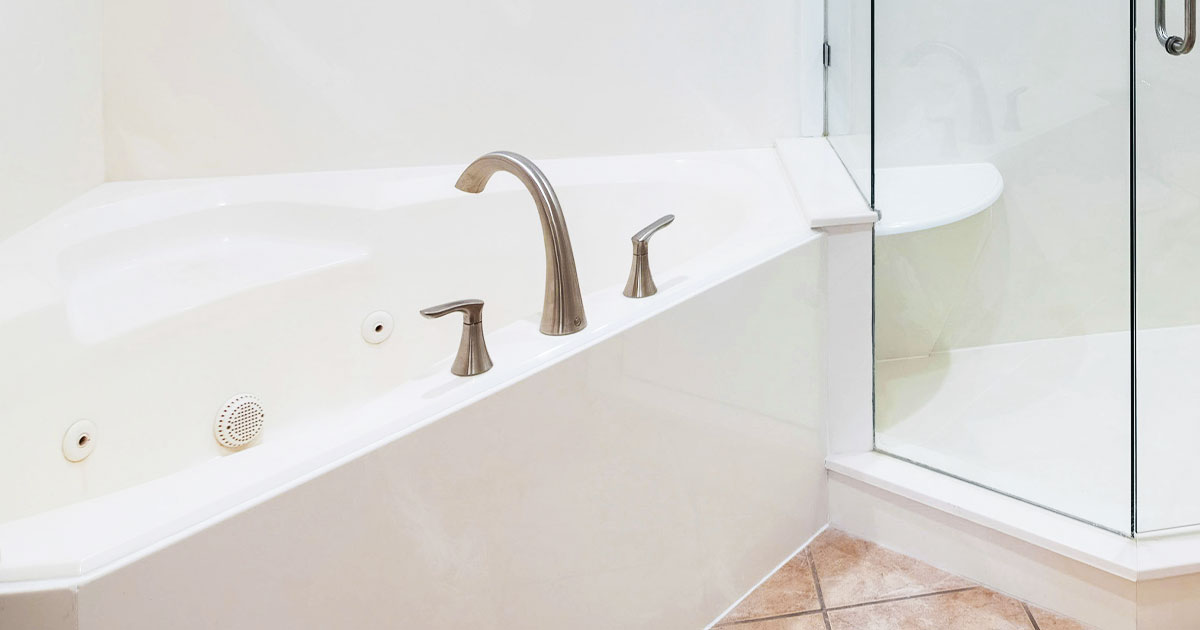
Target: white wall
[
  {"x": 181, "y": 89},
  {"x": 50, "y": 113},
  {"x": 240, "y": 86}
]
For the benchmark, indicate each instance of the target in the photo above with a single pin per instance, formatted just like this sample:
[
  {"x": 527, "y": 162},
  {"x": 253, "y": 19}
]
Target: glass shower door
[
  {"x": 1003, "y": 256},
  {"x": 1168, "y": 267}
]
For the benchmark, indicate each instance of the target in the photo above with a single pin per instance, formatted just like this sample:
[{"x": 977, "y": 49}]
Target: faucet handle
[
  {"x": 641, "y": 282},
  {"x": 471, "y": 309},
  {"x": 641, "y": 240},
  {"x": 472, "y": 355}
]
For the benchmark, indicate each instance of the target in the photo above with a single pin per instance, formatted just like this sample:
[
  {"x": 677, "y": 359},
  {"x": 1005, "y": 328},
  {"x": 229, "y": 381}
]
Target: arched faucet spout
[{"x": 562, "y": 308}]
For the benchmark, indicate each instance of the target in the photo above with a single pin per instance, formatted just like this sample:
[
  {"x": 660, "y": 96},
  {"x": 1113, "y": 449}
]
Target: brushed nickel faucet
[
  {"x": 562, "y": 308},
  {"x": 472, "y": 355},
  {"x": 641, "y": 282}
]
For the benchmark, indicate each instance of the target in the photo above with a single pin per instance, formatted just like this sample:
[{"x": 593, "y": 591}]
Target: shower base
[{"x": 1050, "y": 421}]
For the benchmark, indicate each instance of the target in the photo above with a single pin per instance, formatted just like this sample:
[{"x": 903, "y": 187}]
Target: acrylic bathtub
[{"x": 642, "y": 473}]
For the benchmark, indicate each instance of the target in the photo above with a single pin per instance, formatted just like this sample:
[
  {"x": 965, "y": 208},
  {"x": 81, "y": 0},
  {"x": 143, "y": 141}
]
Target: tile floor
[{"x": 843, "y": 583}]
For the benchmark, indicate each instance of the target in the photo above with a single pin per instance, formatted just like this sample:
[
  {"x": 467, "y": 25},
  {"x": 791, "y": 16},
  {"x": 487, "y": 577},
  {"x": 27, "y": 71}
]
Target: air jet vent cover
[{"x": 239, "y": 422}]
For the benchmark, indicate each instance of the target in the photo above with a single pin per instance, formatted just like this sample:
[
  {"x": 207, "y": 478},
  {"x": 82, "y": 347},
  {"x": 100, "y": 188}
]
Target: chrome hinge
[{"x": 826, "y": 54}]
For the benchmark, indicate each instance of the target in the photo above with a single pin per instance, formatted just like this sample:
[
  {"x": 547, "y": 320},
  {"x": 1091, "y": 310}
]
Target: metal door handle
[{"x": 1175, "y": 44}]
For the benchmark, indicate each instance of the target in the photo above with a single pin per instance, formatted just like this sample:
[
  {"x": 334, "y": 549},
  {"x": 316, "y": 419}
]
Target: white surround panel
[
  {"x": 50, "y": 117},
  {"x": 197, "y": 89}
]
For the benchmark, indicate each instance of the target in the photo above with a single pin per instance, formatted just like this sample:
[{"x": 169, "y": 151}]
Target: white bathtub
[{"x": 651, "y": 457}]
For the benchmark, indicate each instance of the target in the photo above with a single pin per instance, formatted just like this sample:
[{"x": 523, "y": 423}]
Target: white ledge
[
  {"x": 1060, "y": 534},
  {"x": 824, "y": 189},
  {"x": 913, "y": 198}
]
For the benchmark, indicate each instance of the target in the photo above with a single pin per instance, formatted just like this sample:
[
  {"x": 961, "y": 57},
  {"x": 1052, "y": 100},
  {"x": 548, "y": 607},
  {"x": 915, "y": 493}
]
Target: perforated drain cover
[{"x": 240, "y": 421}]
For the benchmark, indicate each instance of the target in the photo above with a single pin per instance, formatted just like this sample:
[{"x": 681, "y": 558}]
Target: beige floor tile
[
  {"x": 1047, "y": 620},
  {"x": 975, "y": 609},
  {"x": 789, "y": 590},
  {"x": 811, "y": 621},
  {"x": 854, "y": 571},
  {"x": 871, "y": 588}
]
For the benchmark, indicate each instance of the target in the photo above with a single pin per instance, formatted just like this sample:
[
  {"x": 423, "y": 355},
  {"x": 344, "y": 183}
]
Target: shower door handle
[{"x": 1175, "y": 44}]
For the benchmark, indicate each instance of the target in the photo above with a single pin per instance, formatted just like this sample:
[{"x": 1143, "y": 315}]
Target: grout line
[
  {"x": 766, "y": 577},
  {"x": 1029, "y": 613},
  {"x": 742, "y": 622},
  {"x": 812, "y": 566},
  {"x": 901, "y": 599},
  {"x": 824, "y": 611}
]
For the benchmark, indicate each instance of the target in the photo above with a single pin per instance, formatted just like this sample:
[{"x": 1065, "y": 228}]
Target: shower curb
[{"x": 1105, "y": 579}]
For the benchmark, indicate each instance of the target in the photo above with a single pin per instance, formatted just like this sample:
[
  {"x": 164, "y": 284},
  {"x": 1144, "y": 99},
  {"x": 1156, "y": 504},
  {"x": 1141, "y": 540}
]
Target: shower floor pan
[
  {"x": 1013, "y": 465},
  {"x": 1050, "y": 421}
]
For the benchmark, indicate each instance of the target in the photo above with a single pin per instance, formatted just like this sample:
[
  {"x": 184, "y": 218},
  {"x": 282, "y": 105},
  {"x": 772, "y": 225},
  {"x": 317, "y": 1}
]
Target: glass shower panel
[
  {"x": 848, "y": 87},
  {"x": 1003, "y": 269},
  {"x": 1168, "y": 284}
]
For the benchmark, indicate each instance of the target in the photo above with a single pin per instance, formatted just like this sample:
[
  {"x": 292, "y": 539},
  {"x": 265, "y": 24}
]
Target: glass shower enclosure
[{"x": 1036, "y": 171}]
